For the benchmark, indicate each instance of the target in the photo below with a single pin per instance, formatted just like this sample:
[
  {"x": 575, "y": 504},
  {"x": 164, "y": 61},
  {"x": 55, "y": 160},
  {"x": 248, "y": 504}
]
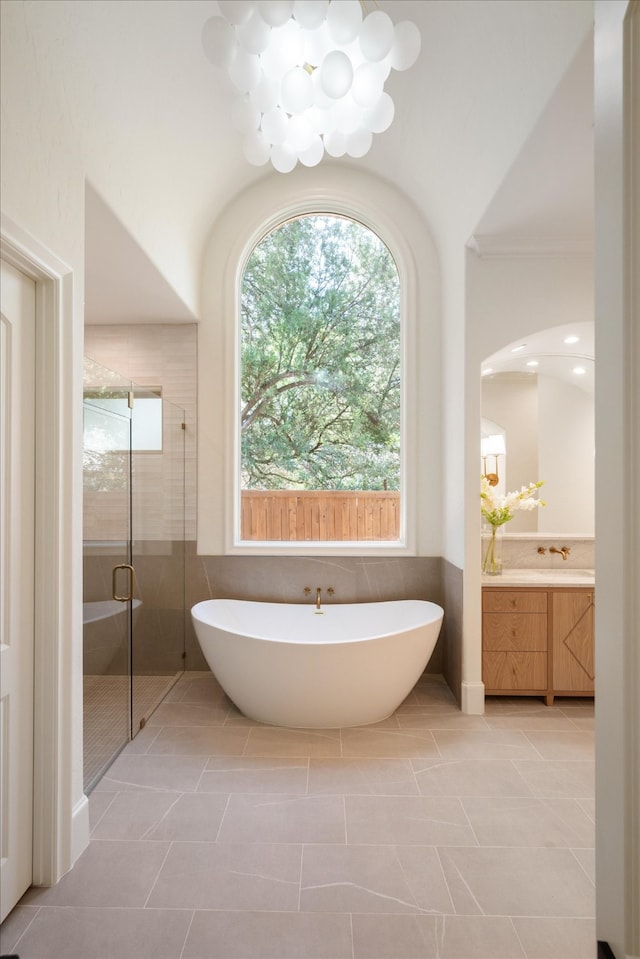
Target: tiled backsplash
[
  {"x": 166, "y": 598},
  {"x": 521, "y": 552},
  {"x": 283, "y": 579}
]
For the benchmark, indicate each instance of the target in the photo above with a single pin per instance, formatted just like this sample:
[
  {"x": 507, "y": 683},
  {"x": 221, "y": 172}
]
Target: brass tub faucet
[{"x": 307, "y": 591}]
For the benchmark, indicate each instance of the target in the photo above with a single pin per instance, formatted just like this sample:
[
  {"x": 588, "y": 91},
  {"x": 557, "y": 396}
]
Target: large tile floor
[{"x": 432, "y": 834}]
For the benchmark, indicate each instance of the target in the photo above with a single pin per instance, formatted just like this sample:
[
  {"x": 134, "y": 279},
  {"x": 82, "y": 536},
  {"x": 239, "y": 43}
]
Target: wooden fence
[{"x": 319, "y": 515}]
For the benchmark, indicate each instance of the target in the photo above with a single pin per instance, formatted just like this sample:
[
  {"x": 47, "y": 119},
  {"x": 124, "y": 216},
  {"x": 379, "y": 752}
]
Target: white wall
[
  {"x": 55, "y": 133},
  {"x": 512, "y": 297},
  {"x": 42, "y": 194},
  {"x": 455, "y": 396}
]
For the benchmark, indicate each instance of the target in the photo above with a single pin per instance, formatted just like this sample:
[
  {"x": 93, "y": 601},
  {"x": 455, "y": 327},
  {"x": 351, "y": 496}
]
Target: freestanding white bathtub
[{"x": 294, "y": 665}]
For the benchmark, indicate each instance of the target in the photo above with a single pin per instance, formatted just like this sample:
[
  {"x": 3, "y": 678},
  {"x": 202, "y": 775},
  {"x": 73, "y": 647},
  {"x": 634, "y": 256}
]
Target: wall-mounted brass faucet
[
  {"x": 307, "y": 591},
  {"x": 563, "y": 551}
]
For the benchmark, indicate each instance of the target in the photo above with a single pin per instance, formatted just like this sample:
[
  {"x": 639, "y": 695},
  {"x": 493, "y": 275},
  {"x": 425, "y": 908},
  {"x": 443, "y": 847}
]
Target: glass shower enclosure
[{"x": 133, "y": 559}]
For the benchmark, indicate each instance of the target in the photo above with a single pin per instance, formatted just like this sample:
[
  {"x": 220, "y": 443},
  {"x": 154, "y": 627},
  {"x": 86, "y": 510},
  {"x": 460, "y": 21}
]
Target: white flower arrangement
[{"x": 498, "y": 510}]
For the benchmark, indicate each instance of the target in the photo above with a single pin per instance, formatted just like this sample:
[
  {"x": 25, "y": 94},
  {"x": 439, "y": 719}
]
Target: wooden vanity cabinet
[
  {"x": 537, "y": 642},
  {"x": 514, "y": 641}
]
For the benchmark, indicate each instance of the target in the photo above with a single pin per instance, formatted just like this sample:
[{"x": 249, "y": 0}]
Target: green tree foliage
[{"x": 320, "y": 354}]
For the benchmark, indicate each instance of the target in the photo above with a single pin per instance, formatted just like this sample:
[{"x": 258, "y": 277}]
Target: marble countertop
[{"x": 541, "y": 577}]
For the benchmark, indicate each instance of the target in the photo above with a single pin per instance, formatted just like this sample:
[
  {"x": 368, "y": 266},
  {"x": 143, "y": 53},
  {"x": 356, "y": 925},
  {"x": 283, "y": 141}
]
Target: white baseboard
[
  {"x": 80, "y": 828},
  {"x": 472, "y": 700}
]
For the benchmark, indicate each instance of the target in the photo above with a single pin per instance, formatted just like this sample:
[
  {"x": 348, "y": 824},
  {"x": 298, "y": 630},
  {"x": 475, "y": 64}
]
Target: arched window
[
  {"x": 372, "y": 207},
  {"x": 320, "y": 345}
]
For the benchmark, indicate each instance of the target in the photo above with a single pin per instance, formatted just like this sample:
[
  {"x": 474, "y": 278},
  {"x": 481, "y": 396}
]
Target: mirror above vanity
[{"x": 538, "y": 399}]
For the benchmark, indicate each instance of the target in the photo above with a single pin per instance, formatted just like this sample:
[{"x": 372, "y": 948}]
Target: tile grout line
[
  {"x": 37, "y": 910},
  {"x": 155, "y": 881},
  {"x": 445, "y": 878},
  {"x": 187, "y": 933},
  {"x": 525, "y": 954},
  {"x": 302, "y": 847},
  {"x": 104, "y": 812},
  {"x": 572, "y": 850}
]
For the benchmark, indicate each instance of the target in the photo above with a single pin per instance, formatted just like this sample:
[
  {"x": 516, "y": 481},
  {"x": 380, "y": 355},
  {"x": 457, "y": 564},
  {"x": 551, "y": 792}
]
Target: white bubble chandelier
[{"x": 308, "y": 75}]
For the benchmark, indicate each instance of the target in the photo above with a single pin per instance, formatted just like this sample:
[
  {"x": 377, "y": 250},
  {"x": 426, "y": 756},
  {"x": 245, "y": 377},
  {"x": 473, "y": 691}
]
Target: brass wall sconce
[{"x": 492, "y": 446}]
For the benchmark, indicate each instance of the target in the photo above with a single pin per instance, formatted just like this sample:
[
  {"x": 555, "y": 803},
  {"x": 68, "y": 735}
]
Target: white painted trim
[
  {"x": 59, "y": 832},
  {"x": 631, "y": 420},
  {"x": 348, "y": 205},
  {"x": 80, "y": 828},
  {"x": 617, "y": 540},
  {"x": 505, "y": 246},
  {"x": 472, "y": 698}
]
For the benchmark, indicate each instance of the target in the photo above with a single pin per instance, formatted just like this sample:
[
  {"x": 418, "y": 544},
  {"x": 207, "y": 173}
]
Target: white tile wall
[{"x": 162, "y": 355}]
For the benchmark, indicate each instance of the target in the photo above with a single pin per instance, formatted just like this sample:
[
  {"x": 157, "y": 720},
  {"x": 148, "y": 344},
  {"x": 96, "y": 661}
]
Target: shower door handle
[{"x": 114, "y": 574}]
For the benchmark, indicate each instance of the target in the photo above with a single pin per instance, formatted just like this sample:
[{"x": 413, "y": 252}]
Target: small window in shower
[{"x": 144, "y": 405}]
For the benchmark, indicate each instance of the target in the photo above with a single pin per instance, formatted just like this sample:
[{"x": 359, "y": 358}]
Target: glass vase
[{"x": 492, "y": 550}]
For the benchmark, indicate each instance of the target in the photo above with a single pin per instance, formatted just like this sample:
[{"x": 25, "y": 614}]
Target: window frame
[{"x": 406, "y": 543}]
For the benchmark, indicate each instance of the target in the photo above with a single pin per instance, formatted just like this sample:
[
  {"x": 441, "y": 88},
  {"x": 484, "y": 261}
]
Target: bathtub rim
[{"x": 234, "y": 630}]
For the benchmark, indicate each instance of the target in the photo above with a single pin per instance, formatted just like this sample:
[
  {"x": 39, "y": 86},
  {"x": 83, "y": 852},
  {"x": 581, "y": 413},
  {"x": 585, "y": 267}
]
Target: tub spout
[{"x": 318, "y": 594}]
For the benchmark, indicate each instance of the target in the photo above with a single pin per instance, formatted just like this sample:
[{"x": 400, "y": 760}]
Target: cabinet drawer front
[
  {"x": 515, "y": 631},
  {"x": 514, "y": 670},
  {"x": 513, "y": 601}
]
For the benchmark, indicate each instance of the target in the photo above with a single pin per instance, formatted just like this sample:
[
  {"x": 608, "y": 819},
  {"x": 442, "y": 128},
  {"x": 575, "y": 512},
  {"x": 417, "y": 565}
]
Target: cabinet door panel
[
  {"x": 503, "y": 670},
  {"x": 520, "y": 631},
  {"x": 573, "y": 641},
  {"x": 514, "y": 601}
]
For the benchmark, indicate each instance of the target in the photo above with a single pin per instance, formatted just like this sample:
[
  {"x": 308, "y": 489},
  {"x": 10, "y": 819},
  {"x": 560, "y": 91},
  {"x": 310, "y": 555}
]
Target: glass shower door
[
  {"x": 158, "y": 550},
  {"x": 134, "y": 559},
  {"x": 108, "y": 578}
]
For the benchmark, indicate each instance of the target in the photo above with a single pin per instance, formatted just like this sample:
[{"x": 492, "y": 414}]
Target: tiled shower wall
[
  {"x": 164, "y": 497},
  {"x": 162, "y": 355}
]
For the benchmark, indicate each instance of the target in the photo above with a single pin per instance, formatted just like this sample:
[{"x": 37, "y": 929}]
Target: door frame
[{"x": 60, "y": 809}]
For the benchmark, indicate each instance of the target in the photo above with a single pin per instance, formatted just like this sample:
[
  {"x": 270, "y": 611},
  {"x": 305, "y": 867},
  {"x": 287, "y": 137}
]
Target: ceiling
[
  {"x": 565, "y": 352},
  {"x": 122, "y": 285},
  {"x": 546, "y": 199},
  {"x": 492, "y": 137}
]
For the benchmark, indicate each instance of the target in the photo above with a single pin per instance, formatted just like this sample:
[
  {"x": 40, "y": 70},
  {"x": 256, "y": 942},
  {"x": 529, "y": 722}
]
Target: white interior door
[{"x": 17, "y": 440}]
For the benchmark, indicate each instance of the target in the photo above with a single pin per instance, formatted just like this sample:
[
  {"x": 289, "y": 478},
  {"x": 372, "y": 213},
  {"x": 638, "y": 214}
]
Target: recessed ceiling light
[
  {"x": 579, "y": 370},
  {"x": 516, "y": 349},
  {"x": 488, "y": 370},
  {"x": 571, "y": 339},
  {"x": 533, "y": 363}
]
